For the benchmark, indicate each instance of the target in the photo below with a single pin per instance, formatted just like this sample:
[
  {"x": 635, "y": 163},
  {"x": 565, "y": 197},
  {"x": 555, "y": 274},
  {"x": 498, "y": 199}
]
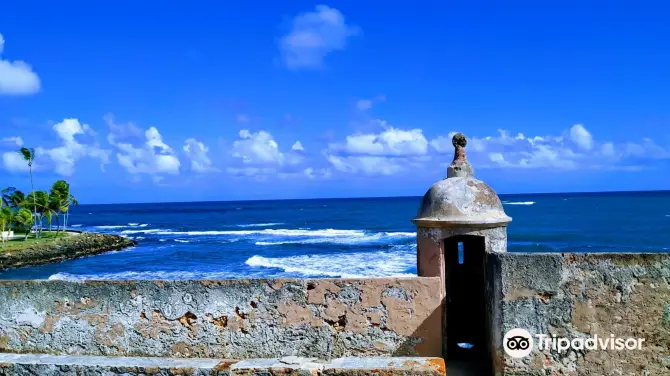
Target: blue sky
[{"x": 207, "y": 100}]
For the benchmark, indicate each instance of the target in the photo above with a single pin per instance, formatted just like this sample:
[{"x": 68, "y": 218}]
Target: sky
[{"x": 209, "y": 100}]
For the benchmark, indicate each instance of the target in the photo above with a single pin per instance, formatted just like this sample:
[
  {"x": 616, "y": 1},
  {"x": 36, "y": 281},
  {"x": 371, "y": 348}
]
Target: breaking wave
[
  {"x": 518, "y": 202},
  {"x": 358, "y": 239},
  {"x": 145, "y": 275},
  {"x": 260, "y": 224},
  {"x": 398, "y": 263},
  {"x": 149, "y": 231},
  {"x": 272, "y": 232}
]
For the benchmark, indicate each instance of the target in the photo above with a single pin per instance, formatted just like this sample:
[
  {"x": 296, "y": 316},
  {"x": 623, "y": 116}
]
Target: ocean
[{"x": 365, "y": 237}]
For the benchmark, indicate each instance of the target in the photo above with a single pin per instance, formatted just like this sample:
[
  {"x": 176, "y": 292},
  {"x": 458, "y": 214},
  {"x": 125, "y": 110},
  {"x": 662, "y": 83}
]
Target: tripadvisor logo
[{"x": 518, "y": 343}]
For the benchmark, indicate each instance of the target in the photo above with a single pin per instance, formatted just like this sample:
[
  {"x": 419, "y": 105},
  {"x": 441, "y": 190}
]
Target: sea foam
[
  {"x": 345, "y": 265},
  {"x": 272, "y": 232},
  {"x": 260, "y": 224},
  {"x": 148, "y": 231},
  {"x": 145, "y": 275},
  {"x": 347, "y": 239}
]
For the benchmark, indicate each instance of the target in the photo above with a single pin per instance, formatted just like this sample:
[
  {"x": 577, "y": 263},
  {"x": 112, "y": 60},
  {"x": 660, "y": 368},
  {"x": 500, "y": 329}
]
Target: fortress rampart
[
  {"x": 231, "y": 319},
  {"x": 469, "y": 292}
]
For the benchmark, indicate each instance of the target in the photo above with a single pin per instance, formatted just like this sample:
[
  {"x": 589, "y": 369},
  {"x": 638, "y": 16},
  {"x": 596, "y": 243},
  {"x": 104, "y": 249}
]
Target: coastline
[{"x": 73, "y": 247}]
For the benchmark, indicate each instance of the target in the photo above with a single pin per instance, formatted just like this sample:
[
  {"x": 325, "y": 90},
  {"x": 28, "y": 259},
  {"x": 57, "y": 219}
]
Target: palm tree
[
  {"x": 12, "y": 197},
  {"x": 38, "y": 203},
  {"x": 29, "y": 156},
  {"x": 57, "y": 200},
  {"x": 71, "y": 201},
  {"x": 11, "y": 200},
  {"x": 24, "y": 218},
  {"x": 6, "y": 196},
  {"x": 60, "y": 199},
  {"x": 5, "y": 220}
]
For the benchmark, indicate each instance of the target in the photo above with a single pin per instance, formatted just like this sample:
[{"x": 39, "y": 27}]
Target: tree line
[{"x": 22, "y": 213}]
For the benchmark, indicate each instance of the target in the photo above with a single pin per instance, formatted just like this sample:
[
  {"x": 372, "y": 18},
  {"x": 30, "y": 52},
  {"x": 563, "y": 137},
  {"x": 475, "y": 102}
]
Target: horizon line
[{"x": 382, "y": 197}]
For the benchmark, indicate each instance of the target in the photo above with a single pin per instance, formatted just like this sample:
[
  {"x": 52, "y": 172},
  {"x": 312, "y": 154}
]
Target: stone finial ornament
[{"x": 460, "y": 166}]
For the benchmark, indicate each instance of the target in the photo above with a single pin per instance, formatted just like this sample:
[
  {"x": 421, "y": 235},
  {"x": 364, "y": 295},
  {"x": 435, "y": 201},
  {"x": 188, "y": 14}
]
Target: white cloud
[
  {"x": 314, "y": 35},
  {"x": 61, "y": 159},
  {"x": 257, "y": 148},
  {"x": 142, "y": 154},
  {"x": 309, "y": 173},
  {"x": 65, "y": 156},
  {"x": 322, "y": 173},
  {"x": 297, "y": 146},
  {"x": 196, "y": 151},
  {"x": 255, "y": 173},
  {"x": 260, "y": 154},
  {"x": 580, "y": 136},
  {"x": 390, "y": 142},
  {"x": 18, "y": 141},
  {"x": 14, "y": 162},
  {"x": 260, "y": 148},
  {"x": 573, "y": 148},
  {"x": 368, "y": 164},
  {"x": 607, "y": 149},
  {"x": 385, "y": 153},
  {"x": 16, "y": 77}
]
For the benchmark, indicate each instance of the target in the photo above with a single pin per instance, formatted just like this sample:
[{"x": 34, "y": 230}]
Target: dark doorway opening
[{"x": 467, "y": 334}]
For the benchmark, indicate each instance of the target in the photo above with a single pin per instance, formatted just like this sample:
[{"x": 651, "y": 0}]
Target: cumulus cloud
[
  {"x": 142, "y": 152},
  {"x": 580, "y": 136},
  {"x": 14, "y": 162},
  {"x": 390, "y": 142},
  {"x": 63, "y": 158},
  {"x": 260, "y": 148},
  {"x": 196, "y": 151},
  {"x": 385, "y": 153},
  {"x": 18, "y": 141},
  {"x": 309, "y": 173},
  {"x": 313, "y": 35},
  {"x": 571, "y": 149},
  {"x": 260, "y": 154},
  {"x": 297, "y": 146},
  {"x": 16, "y": 77}
]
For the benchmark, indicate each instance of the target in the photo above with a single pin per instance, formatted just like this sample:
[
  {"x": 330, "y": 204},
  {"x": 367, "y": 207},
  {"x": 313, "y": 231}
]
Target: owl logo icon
[{"x": 518, "y": 343}]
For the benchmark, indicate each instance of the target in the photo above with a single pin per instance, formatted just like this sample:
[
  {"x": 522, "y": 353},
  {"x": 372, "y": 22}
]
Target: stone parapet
[
  {"x": 582, "y": 296},
  {"x": 67, "y": 365},
  {"x": 239, "y": 319}
]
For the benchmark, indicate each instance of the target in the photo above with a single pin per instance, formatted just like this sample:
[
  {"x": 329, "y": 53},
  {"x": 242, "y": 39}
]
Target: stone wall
[
  {"x": 579, "y": 296},
  {"x": 234, "y": 319}
]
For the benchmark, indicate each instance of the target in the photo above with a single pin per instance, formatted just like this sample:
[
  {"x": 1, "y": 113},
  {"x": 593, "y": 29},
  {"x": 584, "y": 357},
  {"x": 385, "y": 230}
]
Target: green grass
[{"x": 19, "y": 243}]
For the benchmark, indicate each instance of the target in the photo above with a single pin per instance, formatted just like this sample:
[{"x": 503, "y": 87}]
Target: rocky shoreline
[{"x": 72, "y": 247}]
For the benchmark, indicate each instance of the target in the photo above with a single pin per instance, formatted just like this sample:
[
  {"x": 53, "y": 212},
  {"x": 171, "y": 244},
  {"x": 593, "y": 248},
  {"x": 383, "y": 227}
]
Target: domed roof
[{"x": 460, "y": 199}]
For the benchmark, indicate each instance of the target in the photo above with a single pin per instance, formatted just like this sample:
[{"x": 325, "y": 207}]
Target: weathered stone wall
[
  {"x": 579, "y": 296},
  {"x": 234, "y": 319}
]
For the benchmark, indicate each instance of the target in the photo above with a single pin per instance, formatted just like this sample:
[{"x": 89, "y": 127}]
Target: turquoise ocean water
[{"x": 370, "y": 237}]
